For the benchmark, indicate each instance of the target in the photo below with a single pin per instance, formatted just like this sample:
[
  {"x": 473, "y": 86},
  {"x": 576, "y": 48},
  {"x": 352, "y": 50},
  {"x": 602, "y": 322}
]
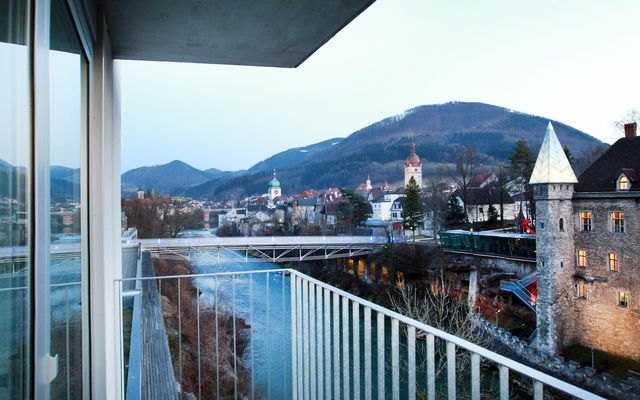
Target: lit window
[
  {"x": 581, "y": 290},
  {"x": 617, "y": 222},
  {"x": 623, "y": 183},
  {"x": 585, "y": 220},
  {"x": 623, "y": 300},
  {"x": 582, "y": 258},
  {"x": 614, "y": 262}
]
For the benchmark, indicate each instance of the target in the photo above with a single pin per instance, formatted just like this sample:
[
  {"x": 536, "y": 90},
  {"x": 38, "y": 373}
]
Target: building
[
  {"x": 412, "y": 166},
  {"x": 274, "y": 187},
  {"x": 381, "y": 206},
  {"x": 587, "y": 248},
  {"x": 62, "y": 53},
  {"x": 480, "y": 201}
]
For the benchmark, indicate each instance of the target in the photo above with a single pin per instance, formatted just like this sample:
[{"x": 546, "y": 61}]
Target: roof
[
  {"x": 412, "y": 159},
  {"x": 481, "y": 179},
  {"x": 275, "y": 33},
  {"x": 552, "y": 165},
  {"x": 274, "y": 183},
  {"x": 621, "y": 157}
]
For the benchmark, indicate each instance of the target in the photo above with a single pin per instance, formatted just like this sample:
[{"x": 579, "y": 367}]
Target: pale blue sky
[{"x": 573, "y": 61}]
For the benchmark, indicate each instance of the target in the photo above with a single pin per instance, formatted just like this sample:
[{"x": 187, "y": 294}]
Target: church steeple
[
  {"x": 412, "y": 166},
  {"x": 274, "y": 187}
]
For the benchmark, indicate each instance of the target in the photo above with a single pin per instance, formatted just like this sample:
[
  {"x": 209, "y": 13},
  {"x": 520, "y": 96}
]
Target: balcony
[{"x": 280, "y": 334}]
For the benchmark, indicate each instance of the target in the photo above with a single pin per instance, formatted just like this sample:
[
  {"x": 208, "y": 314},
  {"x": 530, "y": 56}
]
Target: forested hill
[{"x": 380, "y": 149}]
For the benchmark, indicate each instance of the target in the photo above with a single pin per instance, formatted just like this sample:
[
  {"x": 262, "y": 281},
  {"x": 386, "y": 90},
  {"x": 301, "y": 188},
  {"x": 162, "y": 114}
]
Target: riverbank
[{"x": 182, "y": 331}]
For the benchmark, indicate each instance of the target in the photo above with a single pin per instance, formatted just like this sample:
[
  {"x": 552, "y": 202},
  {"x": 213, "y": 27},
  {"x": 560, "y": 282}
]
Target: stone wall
[
  {"x": 554, "y": 248},
  {"x": 599, "y": 321},
  {"x": 570, "y": 371}
]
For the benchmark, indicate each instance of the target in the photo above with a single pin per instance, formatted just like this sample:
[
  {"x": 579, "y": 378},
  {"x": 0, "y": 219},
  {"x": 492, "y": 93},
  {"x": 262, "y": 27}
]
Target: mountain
[
  {"x": 214, "y": 173},
  {"x": 64, "y": 185},
  {"x": 380, "y": 149},
  {"x": 65, "y": 173},
  {"x": 291, "y": 157},
  {"x": 166, "y": 178}
]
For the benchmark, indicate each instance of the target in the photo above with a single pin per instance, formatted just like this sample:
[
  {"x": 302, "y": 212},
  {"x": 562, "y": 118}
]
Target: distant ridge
[{"x": 378, "y": 150}]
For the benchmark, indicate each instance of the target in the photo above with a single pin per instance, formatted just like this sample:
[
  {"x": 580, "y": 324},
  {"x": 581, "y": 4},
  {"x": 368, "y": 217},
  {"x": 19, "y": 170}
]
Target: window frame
[
  {"x": 626, "y": 183},
  {"x": 617, "y": 221},
  {"x": 615, "y": 260},
  {"x": 581, "y": 258},
  {"x": 623, "y": 299},
  {"x": 585, "y": 221},
  {"x": 581, "y": 290}
]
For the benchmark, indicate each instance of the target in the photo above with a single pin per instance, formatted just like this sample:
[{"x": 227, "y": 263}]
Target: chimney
[{"x": 630, "y": 129}]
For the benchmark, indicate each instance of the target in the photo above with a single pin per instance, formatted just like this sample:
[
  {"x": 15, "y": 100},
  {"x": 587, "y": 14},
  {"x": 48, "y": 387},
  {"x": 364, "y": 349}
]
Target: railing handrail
[{"x": 459, "y": 342}]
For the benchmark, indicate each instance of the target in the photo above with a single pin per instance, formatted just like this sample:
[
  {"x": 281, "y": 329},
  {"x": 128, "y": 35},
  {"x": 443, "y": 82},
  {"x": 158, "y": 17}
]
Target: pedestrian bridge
[{"x": 267, "y": 249}]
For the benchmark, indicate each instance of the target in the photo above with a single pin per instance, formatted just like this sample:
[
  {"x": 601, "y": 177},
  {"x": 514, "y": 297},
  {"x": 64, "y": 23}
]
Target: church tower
[
  {"x": 412, "y": 166},
  {"x": 552, "y": 179},
  {"x": 274, "y": 187}
]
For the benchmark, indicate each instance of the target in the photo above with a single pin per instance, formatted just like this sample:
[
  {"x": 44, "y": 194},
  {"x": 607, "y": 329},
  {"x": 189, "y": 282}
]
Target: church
[{"x": 412, "y": 167}]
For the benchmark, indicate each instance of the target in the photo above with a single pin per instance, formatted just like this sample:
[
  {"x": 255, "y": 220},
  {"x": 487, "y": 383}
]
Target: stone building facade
[{"x": 588, "y": 249}]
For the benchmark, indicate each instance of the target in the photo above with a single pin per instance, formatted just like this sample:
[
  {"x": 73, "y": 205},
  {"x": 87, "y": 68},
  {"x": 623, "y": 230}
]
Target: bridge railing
[{"x": 282, "y": 334}]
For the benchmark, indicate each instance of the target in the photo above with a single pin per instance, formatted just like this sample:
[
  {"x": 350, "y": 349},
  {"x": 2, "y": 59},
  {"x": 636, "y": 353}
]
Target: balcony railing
[{"x": 282, "y": 334}]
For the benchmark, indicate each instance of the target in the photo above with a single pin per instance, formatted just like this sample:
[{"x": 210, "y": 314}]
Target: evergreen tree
[
  {"x": 493, "y": 214},
  {"x": 455, "y": 213},
  {"x": 522, "y": 160},
  {"x": 570, "y": 157},
  {"x": 355, "y": 210},
  {"x": 413, "y": 212}
]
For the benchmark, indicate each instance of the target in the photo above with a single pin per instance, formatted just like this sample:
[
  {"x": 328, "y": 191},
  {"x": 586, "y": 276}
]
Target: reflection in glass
[
  {"x": 15, "y": 263},
  {"x": 66, "y": 68}
]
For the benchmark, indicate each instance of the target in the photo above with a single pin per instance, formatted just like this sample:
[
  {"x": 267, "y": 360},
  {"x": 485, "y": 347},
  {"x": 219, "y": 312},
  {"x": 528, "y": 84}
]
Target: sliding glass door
[
  {"x": 43, "y": 211},
  {"x": 15, "y": 201}
]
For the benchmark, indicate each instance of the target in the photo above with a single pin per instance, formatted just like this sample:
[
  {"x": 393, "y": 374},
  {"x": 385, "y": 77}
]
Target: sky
[{"x": 575, "y": 61}]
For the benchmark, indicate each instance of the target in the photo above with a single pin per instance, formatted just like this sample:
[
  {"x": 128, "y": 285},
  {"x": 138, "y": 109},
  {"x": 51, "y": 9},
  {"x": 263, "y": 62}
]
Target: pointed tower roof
[{"x": 552, "y": 165}]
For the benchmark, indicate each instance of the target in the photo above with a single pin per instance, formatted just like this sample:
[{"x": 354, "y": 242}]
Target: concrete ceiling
[{"x": 275, "y": 33}]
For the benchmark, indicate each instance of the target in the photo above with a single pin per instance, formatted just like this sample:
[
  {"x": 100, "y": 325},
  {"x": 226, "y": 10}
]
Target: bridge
[
  {"x": 267, "y": 249},
  {"x": 494, "y": 244}
]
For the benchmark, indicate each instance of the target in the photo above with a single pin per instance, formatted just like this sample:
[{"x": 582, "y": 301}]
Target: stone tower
[
  {"x": 412, "y": 166},
  {"x": 274, "y": 187},
  {"x": 552, "y": 181}
]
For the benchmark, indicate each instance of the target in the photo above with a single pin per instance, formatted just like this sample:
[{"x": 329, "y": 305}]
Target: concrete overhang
[{"x": 274, "y": 33}]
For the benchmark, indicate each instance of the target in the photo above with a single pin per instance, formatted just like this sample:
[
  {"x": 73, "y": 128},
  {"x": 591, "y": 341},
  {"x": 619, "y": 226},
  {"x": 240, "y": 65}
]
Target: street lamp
[{"x": 497, "y": 315}]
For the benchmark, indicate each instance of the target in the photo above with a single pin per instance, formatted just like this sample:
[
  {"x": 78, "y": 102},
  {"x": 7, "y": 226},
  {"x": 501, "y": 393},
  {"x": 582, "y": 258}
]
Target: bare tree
[
  {"x": 435, "y": 204},
  {"x": 466, "y": 166},
  {"x": 501, "y": 186},
  {"x": 439, "y": 308}
]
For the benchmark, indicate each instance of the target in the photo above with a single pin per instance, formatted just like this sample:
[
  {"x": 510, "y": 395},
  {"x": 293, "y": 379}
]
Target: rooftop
[{"x": 552, "y": 165}]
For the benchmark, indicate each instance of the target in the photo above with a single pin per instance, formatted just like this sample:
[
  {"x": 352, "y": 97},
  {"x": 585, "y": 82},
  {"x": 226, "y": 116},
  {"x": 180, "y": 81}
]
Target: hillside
[
  {"x": 166, "y": 178},
  {"x": 380, "y": 148},
  {"x": 291, "y": 157}
]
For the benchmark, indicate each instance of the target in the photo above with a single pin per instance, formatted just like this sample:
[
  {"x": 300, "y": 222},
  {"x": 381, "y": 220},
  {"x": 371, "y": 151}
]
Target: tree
[
  {"x": 435, "y": 204},
  {"x": 629, "y": 117},
  {"x": 466, "y": 165},
  {"x": 440, "y": 309},
  {"x": 569, "y": 156},
  {"x": 493, "y": 214},
  {"x": 413, "y": 213},
  {"x": 354, "y": 210},
  {"x": 501, "y": 186},
  {"x": 455, "y": 214},
  {"x": 522, "y": 160}
]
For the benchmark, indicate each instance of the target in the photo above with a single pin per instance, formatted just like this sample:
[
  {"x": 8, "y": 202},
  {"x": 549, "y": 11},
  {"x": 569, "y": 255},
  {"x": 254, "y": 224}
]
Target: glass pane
[
  {"x": 15, "y": 263},
  {"x": 66, "y": 68}
]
